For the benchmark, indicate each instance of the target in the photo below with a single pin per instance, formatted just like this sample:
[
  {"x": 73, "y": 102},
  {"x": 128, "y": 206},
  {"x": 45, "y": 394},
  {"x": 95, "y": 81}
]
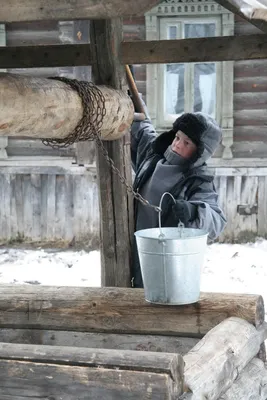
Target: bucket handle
[{"x": 180, "y": 224}]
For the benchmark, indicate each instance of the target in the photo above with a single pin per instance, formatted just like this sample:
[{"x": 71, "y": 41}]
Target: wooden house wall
[{"x": 250, "y": 102}]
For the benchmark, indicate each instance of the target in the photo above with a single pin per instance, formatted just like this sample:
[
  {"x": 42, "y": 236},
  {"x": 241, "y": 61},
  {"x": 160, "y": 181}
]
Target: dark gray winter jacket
[{"x": 195, "y": 185}]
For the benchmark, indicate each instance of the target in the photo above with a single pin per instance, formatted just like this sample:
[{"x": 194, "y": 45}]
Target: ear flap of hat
[{"x": 164, "y": 140}]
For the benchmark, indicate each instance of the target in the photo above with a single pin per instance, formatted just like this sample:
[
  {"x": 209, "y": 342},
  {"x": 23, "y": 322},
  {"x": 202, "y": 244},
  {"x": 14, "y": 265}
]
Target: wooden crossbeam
[
  {"x": 40, "y": 10},
  {"x": 227, "y": 48}
]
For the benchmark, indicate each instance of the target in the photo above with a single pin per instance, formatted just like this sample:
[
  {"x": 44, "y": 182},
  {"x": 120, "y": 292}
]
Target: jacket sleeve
[
  {"x": 209, "y": 215},
  {"x": 142, "y": 134}
]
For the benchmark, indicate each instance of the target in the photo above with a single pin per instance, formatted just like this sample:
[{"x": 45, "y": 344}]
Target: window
[{"x": 189, "y": 87}]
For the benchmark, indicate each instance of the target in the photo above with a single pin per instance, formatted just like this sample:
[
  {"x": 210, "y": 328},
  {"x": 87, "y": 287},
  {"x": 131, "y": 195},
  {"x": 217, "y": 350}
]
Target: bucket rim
[{"x": 140, "y": 233}]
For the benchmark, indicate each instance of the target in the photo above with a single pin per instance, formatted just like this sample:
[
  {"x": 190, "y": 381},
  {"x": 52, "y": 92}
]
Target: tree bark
[
  {"x": 116, "y": 210},
  {"x": 46, "y": 108}
]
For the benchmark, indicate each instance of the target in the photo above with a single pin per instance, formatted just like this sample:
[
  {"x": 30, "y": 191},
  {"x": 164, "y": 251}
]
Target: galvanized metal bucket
[{"x": 171, "y": 262}]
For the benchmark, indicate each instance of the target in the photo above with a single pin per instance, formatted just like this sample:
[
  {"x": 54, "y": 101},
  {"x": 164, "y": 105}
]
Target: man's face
[{"x": 183, "y": 145}]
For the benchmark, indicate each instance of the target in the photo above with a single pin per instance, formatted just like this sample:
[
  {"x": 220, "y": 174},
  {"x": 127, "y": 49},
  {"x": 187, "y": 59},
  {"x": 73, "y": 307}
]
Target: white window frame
[{"x": 177, "y": 11}]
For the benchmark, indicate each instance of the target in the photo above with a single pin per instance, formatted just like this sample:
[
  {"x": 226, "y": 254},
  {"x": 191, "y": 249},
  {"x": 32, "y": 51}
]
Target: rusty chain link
[{"x": 89, "y": 128}]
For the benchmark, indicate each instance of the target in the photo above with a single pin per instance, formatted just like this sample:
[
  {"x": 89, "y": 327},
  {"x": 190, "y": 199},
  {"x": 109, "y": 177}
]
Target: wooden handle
[{"x": 134, "y": 92}]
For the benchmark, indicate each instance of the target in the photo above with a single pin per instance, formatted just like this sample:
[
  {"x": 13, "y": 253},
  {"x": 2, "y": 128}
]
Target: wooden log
[
  {"x": 119, "y": 310},
  {"x": 39, "y": 10},
  {"x": 116, "y": 209},
  {"x": 79, "y": 373},
  {"x": 226, "y": 48},
  {"x": 214, "y": 363},
  {"x": 42, "y": 108},
  {"x": 243, "y": 8},
  {"x": 250, "y": 384},
  {"x": 157, "y": 343}
]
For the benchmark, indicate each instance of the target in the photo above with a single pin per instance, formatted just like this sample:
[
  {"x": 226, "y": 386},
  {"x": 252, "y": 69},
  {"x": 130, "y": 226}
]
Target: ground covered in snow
[{"x": 228, "y": 267}]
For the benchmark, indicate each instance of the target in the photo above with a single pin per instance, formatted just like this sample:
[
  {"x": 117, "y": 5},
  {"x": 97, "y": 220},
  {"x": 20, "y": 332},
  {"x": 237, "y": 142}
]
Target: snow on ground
[{"x": 228, "y": 267}]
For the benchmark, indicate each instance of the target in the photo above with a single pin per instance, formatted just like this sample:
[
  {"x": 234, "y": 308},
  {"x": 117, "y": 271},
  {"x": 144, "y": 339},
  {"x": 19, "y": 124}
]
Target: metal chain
[
  {"x": 123, "y": 180},
  {"x": 89, "y": 128}
]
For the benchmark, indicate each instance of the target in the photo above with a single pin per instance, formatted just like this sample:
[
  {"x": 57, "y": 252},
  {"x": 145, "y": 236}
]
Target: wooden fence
[{"x": 52, "y": 203}]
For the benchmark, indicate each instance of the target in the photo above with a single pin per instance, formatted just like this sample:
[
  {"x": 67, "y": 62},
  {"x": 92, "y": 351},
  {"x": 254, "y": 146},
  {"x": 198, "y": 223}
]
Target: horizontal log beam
[
  {"x": 72, "y": 373},
  {"x": 215, "y": 362},
  {"x": 39, "y": 10},
  {"x": 227, "y": 48},
  {"x": 48, "y": 108},
  {"x": 158, "y": 343},
  {"x": 119, "y": 310}
]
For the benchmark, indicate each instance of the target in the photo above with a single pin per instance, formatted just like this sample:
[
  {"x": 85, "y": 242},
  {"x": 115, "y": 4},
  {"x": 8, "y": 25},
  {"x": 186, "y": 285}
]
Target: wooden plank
[
  {"x": 240, "y": 162},
  {"x": 250, "y": 149},
  {"x": 88, "y": 373},
  {"x": 14, "y": 230},
  {"x": 157, "y": 343},
  {"x": 60, "y": 199},
  {"x": 37, "y": 10},
  {"x": 20, "y": 169},
  {"x": 250, "y": 384},
  {"x": 5, "y": 203},
  {"x": 19, "y": 205},
  {"x": 36, "y": 206},
  {"x": 27, "y": 206},
  {"x": 250, "y": 117},
  {"x": 115, "y": 210},
  {"x": 249, "y": 133},
  {"x": 251, "y": 68},
  {"x": 119, "y": 310},
  {"x": 250, "y": 101},
  {"x": 262, "y": 206},
  {"x": 226, "y": 48},
  {"x": 69, "y": 207},
  {"x": 239, "y": 171},
  {"x": 251, "y": 84},
  {"x": 51, "y": 207},
  {"x": 44, "y": 207},
  {"x": 214, "y": 363}
]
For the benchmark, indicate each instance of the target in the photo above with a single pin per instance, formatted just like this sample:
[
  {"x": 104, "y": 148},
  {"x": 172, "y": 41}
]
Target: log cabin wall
[{"x": 250, "y": 102}]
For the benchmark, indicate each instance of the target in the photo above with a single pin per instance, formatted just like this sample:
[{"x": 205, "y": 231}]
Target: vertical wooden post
[{"x": 116, "y": 214}]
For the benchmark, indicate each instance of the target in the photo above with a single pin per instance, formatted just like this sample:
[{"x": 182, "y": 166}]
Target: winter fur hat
[{"x": 190, "y": 125}]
